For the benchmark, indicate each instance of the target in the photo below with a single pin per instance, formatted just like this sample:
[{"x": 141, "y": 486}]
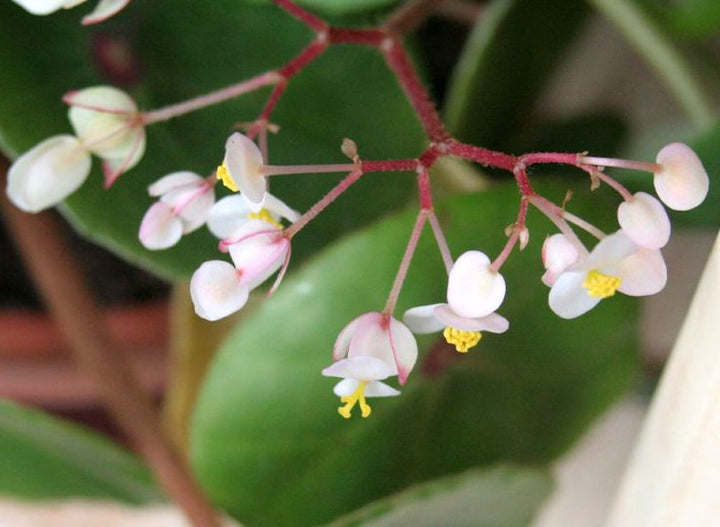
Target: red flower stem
[
  {"x": 310, "y": 20},
  {"x": 560, "y": 158},
  {"x": 514, "y": 235},
  {"x": 215, "y": 97},
  {"x": 482, "y": 156},
  {"x": 441, "y": 241},
  {"x": 424, "y": 193},
  {"x": 410, "y": 15},
  {"x": 405, "y": 263},
  {"x": 326, "y": 200},
  {"x": 368, "y": 37},
  {"x": 396, "y": 165}
]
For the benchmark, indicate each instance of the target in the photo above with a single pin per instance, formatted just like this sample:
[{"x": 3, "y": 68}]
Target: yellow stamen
[
  {"x": 358, "y": 396},
  {"x": 264, "y": 215},
  {"x": 600, "y": 285},
  {"x": 462, "y": 340},
  {"x": 223, "y": 174}
]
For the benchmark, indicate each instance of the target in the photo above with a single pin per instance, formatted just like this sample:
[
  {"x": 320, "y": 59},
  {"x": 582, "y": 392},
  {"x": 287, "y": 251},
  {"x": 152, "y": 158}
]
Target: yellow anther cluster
[
  {"x": 462, "y": 340},
  {"x": 265, "y": 216},
  {"x": 357, "y": 397},
  {"x": 600, "y": 285},
  {"x": 223, "y": 175}
]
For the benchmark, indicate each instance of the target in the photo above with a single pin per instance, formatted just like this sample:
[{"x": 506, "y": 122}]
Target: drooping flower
[
  {"x": 257, "y": 249},
  {"x": 615, "y": 264},
  {"x": 106, "y": 123},
  {"x": 558, "y": 253},
  {"x": 231, "y": 212},
  {"x": 184, "y": 205},
  {"x": 644, "y": 220},
  {"x": 242, "y": 170},
  {"x": 103, "y": 10},
  {"x": 682, "y": 183},
  {"x": 474, "y": 289},
  {"x": 368, "y": 350}
]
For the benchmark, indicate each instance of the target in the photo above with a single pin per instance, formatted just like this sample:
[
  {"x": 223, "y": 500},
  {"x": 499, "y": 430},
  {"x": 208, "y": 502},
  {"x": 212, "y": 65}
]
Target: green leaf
[
  {"x": 500, "y": 496},
  {"x": 348, "y": 92},
  {"x": 508, "y": 57},
  {"x": 266, "y": 440},
  {"x": 688, "y": 18},
  {"x": 44, "y": 458}
]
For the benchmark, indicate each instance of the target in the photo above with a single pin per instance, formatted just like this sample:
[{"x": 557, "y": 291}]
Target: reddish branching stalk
[{"x": 66, "y": 294}]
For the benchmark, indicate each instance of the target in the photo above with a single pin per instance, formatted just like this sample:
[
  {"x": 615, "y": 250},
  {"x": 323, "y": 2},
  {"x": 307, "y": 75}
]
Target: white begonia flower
[
  {"x": 644, "y": 220},
  {"x": 231, "y": 212},
  {"x": 242, "y": 170},
  {"x": 184, "y": 205},
  {"x": 106, "y": 123},
  {"x": 682, "y": 183},
  {"x": 368, "y": 350},
  {"x": 258, "y": 249},
  {"x": 474, "y": 290},
  {"x": 558, "y": 253},
  {"x": 462, "y": 332},
  {"x": 103, "y": 10},
  {"x": 615, "y": 264}
]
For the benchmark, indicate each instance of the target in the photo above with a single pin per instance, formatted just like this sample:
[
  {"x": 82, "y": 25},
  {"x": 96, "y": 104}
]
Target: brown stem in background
[{"x": 66, "y": 295}]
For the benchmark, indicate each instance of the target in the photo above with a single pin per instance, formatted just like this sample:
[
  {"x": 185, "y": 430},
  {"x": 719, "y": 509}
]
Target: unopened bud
[{"x": 349, "y": 148}]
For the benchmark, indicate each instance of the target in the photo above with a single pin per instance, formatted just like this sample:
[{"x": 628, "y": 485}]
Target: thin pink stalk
[
  {"x": 277, "y": 170},
  {"x": 326, "y": 200},
  {"x": 514, "y": 235},
  {"x": 215, "y": 97},
  {"x": 440, "y": 240},
  {"x": 620, "y": 163},
  {"x": 307, "y": 18},
  {"x": 584, "y": 225},
  {"x": 615, "y": 184},
  {"x": 555, "y": 214},
  {"x": 405, "y": 263}
]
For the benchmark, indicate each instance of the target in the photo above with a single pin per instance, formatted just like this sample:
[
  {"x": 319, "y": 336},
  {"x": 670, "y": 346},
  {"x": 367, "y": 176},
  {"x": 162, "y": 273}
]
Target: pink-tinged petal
[
  {"x": 217, "y": 291},
  {"x": 644, "y": 220},
  {"x": 607, "y": 254},
  {"x": 643, "y": 273},
  {"x": 372, "y": 339},
  {"x": 260, "y": 252},
  {"x": 277, "y": 207},
  {"x": 99, "y": 99},
  {"x": 558, "y": 254},
  {"x": 342, "y": 343},
  {"x": 362, "y": 368},
  {"x": 682, "y": 183},
  {"x": 244, "y": 162},
  {"x": 104, "y": 10},
  {"x": 228, "y": 215},
  {"x": 48, "y": 173},
  {"x": 174, "y": 181},
  {"x": 380, "y": 389},
  {"x": 493, "y": 322},
  {"x": 194, "y": 214},
  {"x": 41, "y": 7},
  {"x": 473, "y": 289},
  {"x": 404, "y": 348},
  {"x": 568, "y": 298},
  {"x": 113, "y": 168},
  {"x": 160, "y": 228},
  {"x": 422, "y": 319}
]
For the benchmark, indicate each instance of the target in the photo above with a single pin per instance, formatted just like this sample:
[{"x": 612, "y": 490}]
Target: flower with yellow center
[
  {"x": 242, "y": 170},
  {"x": 231, "y": 212}
]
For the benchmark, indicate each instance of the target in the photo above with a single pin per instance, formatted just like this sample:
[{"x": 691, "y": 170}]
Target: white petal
[
  {"x": 380, "y": 389},
  {"x": 558, "y": 254},
  {"x": 276, "y": 207},
  {"x": 160, "y": 228},
  {"x": 191, "y": 203},
  {"x": 362, "y": 368},
  {"x": 345, "y": 387},
  {"x": 101, "y": 99},
  {"x": 643, "y": 273},
  {"x": 683, "y": 183},
  {"x": 48, "y": 173},
  {"x": 422, "y": 319},
  {"x": 493, "y": 322},
  {"x": 568, "y": 299},
  {"x": 41, "y": 7},
  {"x": 607, "y": 254},
  {"x": 404, "y": 348},
  {"x": 372, "y": 339},
  {"x": 104, "y": 10},
  {"x": 227, "y": 215},
  {"x": 342, "y": 343},
  {"x": 244, "y": 163},
  {"x": 216, "y": 290},
  {"x": 126, "y": 154},
  {"x": 473, "y": 289},
  {"x": 644, "y": 220},
  {"x": 174, "y": 181}
]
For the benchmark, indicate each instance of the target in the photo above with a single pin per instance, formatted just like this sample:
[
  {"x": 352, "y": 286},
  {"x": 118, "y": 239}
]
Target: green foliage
[
  {"x": 266, "y": 439},
  {"x": 44, "y": 458}
]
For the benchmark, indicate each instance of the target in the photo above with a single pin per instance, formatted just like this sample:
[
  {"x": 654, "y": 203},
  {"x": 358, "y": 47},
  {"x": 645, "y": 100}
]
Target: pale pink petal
[
  {"x": 259, "y": 253},
  {"x": 217, "y": 291},
  {"x": 244, "y": 162},
  {"x": 195, "y": 213},
  {"x": 342, "y": 343},
  {"x": 113, "y": 168},
  {"x": 493, "y": 322},
  {"x": 100, "y": 99},
  {"x": 174, "y": 181},
  {"x": 48, "y": 173},
  {"x": 473, "y": 289},
  {"x": 361, "y": 368},
  {"x": 558, "y": 253},
  {"x": 568, "y": 298},
  {"x": 683, "y": 183},
  {"x": 643, "y": 273},
  {"x": 380, "y": 389},
  {"x": 277, "y": 207},
  {"x": 422, "y": 319},
  {"x": 404, "y": 348},
  {"x": 644, "y": 220},
  {"x": 160, "y": 228},
  {"x": 607, "y": 254},
  {"x": 372, "y": 339},
  {"x": 228, "y": 215},
  {"x": 104, "y": 10}
]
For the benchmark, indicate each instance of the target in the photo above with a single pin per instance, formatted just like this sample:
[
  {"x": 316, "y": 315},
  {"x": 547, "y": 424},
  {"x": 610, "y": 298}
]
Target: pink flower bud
[{"x": 682, "y": 183}]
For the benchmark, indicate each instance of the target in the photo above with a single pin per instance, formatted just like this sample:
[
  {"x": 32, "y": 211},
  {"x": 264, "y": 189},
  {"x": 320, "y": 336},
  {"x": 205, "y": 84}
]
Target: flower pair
[{"x": 106, "y": 123}]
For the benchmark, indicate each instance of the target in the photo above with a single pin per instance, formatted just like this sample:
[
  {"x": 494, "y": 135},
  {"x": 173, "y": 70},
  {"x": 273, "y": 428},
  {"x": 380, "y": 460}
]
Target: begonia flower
[
  {"x": 682, "y": 182},
  {"x": 368, "y": 350},
  {"x": 257, "y": 249},
  {"x": 184, "y": 205},
  {"x": 644, "y": 220},
  {"x": 103, "y": 10},
  {"x": 615, "y": 264},
  {"x": 474, "y": 289},
  {"x": 106, "y": 123},
  {"x": 231, "y": 212},
  {"x": 242, "y": 170}
]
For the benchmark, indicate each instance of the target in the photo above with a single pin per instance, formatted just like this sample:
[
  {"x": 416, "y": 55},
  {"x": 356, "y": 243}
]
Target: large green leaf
[
  {"x": 186, "y": 52},
  {"x": 44, "y": 458},
  {"x": 266, "y": 440},
  {"x": 510, "y": 53},
  {"x": 501, "y": 496}
]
